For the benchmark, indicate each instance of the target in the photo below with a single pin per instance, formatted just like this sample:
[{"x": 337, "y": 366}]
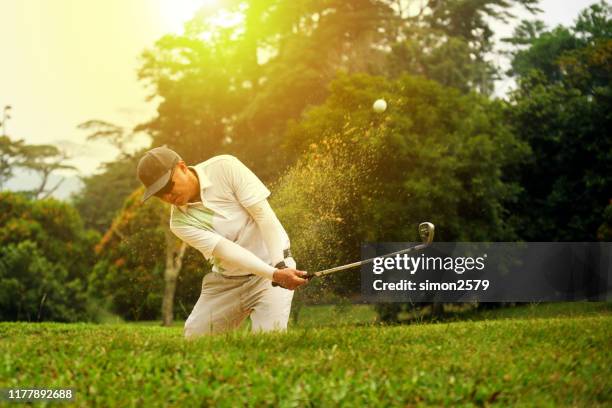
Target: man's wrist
[
  {"x": 278, "y": 267},
  {"x": 268, "y": 273}
]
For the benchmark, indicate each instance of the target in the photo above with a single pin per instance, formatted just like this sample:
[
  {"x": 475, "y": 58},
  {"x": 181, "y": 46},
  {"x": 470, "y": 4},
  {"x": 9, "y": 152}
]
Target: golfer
[{"x": 220, "y": 208}]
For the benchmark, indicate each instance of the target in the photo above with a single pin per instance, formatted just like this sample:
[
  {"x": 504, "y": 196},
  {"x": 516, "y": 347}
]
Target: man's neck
[{"x": 196, "y": 194}]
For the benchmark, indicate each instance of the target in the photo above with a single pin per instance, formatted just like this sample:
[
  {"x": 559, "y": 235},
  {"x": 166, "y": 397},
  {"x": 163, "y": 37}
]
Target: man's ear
[{"x": 181, "y": 164}]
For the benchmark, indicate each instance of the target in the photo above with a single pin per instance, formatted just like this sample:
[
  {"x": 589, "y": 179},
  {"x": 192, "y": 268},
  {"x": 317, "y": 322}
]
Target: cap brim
[{"x": 158, "y": 185}]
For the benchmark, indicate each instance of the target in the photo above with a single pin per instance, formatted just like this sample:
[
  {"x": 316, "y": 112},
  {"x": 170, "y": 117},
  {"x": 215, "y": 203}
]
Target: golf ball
[{"x": 380, "y": 105}]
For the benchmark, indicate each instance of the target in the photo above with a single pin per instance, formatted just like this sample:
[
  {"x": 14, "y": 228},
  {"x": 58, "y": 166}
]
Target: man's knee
[
  {"x": 271, "y": 317},
  {"x": 194, "y": 329},
  {"x": 272, "y": 311}
]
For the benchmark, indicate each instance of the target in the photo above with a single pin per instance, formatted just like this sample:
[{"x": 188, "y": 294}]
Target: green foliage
[
  {"x": 194, "y": 82},
  {"x": 543, "y": 52},
  {"x": 129, "y": 274},
  {"x": 471, "y": 19},
  {"x": 447, "y": 60},
  {"x": 33, "y": 288},
  {"x": 232, "y": 89},
  {"x": 511, "y": 362},
  {"x": 562, "y": 125},
  {"x": 41, "y": 159},
  {"x": 45, "y": 258},
  {"x": 10, "y": 155},
  {"x": 104, "y": 193},
  {"x": 451, "y": 41},
  {"x": 604, "y": 232},
  {"x": 435, "y": 155},
  {"x": 594, "y": 22},
  {"x": 562, "y": 109},
  {"x": 55, "y": 227}
]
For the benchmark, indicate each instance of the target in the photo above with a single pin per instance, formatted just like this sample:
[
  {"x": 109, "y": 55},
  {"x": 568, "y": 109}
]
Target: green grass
[
  {"x": 549, "y": 355},
  {"x": 361, "y": 314}
]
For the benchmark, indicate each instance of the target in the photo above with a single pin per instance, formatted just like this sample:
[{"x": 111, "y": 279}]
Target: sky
[{"x": 64, "y": 62}]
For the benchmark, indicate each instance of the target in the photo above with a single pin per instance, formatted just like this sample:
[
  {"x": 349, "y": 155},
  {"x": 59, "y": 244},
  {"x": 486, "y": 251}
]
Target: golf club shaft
[
  {"x": 426, "y": 231},
  {"x": 359, "y": 263}
]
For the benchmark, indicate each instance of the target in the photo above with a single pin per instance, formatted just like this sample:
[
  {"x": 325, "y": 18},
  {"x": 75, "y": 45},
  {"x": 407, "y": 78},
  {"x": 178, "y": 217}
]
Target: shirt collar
[
  {"x": 204, "y": 184},
  {"x": 202, "y": 177}
]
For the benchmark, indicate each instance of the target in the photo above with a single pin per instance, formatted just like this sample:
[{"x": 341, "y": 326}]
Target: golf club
[{"x": 426, "y": 233}]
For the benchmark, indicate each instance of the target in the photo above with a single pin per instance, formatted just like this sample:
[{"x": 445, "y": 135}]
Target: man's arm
[
  {"x": 267, "y": 222},
  {"x": 233, "y": 253},
  {"x": 211, "y": 244}
]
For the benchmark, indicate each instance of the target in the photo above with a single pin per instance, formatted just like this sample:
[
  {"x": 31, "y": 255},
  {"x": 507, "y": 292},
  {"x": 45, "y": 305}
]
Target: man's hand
[{"x": 289, "y": 278}]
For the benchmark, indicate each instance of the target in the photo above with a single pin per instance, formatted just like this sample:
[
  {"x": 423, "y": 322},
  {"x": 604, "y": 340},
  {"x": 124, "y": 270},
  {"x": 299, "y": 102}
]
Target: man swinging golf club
[{"x": 220, "y": 208}]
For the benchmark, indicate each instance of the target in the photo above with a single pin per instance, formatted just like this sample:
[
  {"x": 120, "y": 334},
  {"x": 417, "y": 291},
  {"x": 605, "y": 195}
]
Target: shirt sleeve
[
  {"x": 247, "y": 187},
  {"x": 267, "y": 222},
  {"x": 203, "y": 240},
  {"x": 234, "y": 254}
]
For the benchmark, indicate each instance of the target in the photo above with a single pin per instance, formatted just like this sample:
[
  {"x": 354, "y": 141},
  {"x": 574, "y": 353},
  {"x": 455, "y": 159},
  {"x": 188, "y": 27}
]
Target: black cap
[{"x": 155, "y": 169}]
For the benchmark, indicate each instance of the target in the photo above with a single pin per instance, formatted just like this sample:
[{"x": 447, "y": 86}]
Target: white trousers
[{"x": 226, "y": 301}]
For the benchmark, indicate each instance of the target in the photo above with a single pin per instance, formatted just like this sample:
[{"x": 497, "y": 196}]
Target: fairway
[{"x": 531, "y": 360}]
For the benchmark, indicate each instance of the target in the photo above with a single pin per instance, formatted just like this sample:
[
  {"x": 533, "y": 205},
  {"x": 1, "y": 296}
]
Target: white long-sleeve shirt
[{"x": 233, "y": 210}]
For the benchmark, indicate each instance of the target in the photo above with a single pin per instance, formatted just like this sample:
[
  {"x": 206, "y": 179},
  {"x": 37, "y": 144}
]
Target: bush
[
  {"x": 34, "y": 289},
  {"x": 45, "y": 259}
]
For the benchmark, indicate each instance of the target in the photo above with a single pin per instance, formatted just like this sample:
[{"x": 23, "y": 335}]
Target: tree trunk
[{"x": 175, "y": 250}]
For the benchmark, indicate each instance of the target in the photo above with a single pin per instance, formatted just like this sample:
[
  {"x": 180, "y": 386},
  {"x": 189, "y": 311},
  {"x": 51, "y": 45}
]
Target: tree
[
  {"x": 104, "y": 193},
  {"x": 45, "y": 256},
  {"x": 10, "y": 156},
  {"x": 140, "y": 263},
  {"x": 197, "y": 93},
  {"x": 562, "y": 109},
  {"x": 604, "y": 232},
  {"x": 233, "y": 89},
  {"x": 450, "y": 41},
  {"x": 106, "y": 131},
  {"x": 175, "y": 252},
  {"x": 44, "y": 160},
  {"x": 435, "y": 154},
  {"x": 41, "y": 159}
]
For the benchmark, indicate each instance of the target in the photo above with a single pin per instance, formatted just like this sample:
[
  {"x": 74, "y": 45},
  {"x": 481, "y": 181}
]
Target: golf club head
[{"x": 426, "y": 232}]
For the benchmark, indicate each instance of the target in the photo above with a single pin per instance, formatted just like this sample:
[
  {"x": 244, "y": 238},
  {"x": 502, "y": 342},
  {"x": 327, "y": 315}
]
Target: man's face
[{"x": 180, "y": 188}]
